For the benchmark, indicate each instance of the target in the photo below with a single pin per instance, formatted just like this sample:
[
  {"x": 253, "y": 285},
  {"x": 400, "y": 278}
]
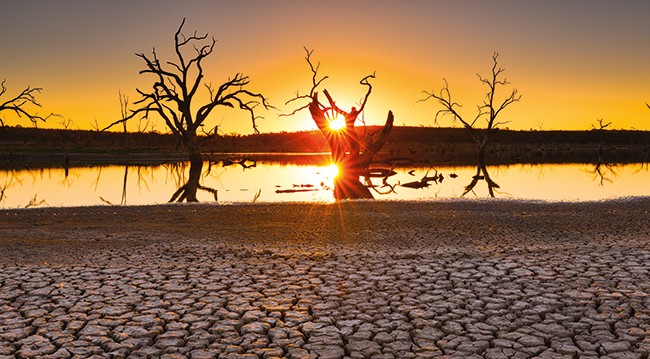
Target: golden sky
[{"x": 573, "y": 61}]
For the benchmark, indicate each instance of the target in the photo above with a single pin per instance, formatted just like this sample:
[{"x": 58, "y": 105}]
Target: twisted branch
[
  {"x": 17, "y": 104},
  {"x": 315, "y": 82}
]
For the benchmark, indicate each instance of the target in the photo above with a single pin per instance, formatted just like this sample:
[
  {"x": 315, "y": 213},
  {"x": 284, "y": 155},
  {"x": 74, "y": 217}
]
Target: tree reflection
[
  {"x": 188, "y": 187},
  {"x": 141, "y": 180},
  {"x": 603, "y": 172},
  {"x": 481, "y": 175},
  {"x": 8, "y": 183},
  {"x": 347, "y": 185},
  {"x": 126, "y": 176},
  {"x": 34, "y": 202}
]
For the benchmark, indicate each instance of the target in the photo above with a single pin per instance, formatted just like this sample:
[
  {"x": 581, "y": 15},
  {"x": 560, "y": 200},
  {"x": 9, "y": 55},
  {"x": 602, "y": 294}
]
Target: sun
[{"x": 336, "y": 122}]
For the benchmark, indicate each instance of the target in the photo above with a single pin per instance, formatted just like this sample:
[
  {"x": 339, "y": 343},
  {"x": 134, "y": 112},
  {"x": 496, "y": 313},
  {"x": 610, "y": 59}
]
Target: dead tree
[
  {"x": 488, "y": 111},
  {"x": 600, "y": 129},
  {"x": 602, "y": 168},
  {"x": 124, "y": 113},
  {"x": 350, "y": 154},
  {"x": 174, "y": 89},
  {"x": 18, "y": 104}
]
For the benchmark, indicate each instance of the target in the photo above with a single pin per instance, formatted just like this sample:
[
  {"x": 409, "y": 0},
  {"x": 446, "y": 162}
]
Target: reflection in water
[
  {"x": 281, "y": 182},
  {"x": 347, "y": 185},
  {"x": 187, "y": 191},
  {"x": 481, "y": 175},
  {"x": 34, "y": 202},
  {"x": 603, "y": 172},
  {"x": 425, "y": 181}
]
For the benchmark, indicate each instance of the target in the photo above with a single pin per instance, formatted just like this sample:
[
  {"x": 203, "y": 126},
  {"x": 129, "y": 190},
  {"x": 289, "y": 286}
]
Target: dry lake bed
[{"x": 466, "y": 279}]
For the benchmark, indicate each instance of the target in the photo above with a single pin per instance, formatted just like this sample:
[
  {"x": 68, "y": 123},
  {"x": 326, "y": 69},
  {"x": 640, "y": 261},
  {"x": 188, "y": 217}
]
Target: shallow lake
[{"x": 283, "y": 182}]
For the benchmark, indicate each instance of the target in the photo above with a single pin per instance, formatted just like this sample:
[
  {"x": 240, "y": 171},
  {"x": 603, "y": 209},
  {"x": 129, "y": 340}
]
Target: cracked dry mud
[{"x": 351, "y": 280}]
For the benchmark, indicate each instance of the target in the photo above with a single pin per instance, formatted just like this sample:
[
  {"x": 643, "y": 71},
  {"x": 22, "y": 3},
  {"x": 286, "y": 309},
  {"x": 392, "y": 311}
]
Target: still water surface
[{"x": 277, "y": 182}]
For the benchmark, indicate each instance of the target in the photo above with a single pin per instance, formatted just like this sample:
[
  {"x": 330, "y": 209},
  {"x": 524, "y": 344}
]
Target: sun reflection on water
[{"x": 331, "y": 171}]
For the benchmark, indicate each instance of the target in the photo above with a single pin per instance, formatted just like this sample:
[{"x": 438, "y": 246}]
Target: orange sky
[{"x": 573, "y": 62}]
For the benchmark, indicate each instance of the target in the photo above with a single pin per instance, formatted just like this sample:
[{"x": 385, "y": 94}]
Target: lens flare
[
  {"x": 331, "y": 171},
  {"x": 337, "y": 123}
]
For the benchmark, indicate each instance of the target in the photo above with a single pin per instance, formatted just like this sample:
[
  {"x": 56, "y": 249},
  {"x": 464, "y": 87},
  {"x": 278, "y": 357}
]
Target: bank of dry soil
[{"x": 493, "y": 279}]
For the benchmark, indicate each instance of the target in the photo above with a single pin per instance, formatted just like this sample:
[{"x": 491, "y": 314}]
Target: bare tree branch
[
  {"x": 601, "y": 125},
  {"x": 364, "y": 81},
  {"x": 315, "y": 82},
  {"x": 18, "y": 103},
  {"x": 449, "y": 109}
]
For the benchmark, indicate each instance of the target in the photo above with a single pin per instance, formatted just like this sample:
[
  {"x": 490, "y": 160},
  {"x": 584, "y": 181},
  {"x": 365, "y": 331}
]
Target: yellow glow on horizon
[{"x": 99, "y": 105}]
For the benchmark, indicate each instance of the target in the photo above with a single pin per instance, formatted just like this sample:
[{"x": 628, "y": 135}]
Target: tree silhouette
[
  {"x": 124, "y": 113},
  {"x": 488, "y": 111},
  {"x": 18, "y": 104},
  {"x": 174, "y": 90},
  {"x": 600, "y": 127},
  {"x": 351, "y": 154},
  {"x": 482, "y": 174}
]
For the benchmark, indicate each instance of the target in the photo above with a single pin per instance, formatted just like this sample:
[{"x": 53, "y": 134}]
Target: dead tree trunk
[
  {"x": 351, "y": 155},
  {"x": 188, "y": 191}
]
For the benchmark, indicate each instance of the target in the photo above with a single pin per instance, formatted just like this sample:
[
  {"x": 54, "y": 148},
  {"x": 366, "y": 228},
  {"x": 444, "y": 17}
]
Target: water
[{"x": 277, "y": 182}]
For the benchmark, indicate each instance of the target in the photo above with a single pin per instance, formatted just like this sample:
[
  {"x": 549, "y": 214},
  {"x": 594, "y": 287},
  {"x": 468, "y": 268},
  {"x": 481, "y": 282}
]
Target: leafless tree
[
  {"x": 173, "y": 93},
  {"x": 600, "y": 127},
  {"x": 66, "y": 123},
  {"x": 349, "y": 153},
  {"x": 95, "y": 125},
  {"x": 124, "y": 113},
  {"x": 488, "y": 112},
  {"x": 18, "y": 104}
]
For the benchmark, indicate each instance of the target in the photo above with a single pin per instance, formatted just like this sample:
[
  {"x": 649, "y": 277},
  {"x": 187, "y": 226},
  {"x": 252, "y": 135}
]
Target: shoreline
[{"x": 382, "y": 225}]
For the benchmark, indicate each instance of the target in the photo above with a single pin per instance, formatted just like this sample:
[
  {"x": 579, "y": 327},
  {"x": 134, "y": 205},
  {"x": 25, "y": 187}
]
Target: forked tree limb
[
  {"x": 17, "y": 104},
  {"x": 315, "y": 83}
]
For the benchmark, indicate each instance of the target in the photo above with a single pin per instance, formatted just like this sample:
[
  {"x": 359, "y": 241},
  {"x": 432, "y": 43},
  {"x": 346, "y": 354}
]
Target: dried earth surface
[{"x": 471, "y": 279}]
